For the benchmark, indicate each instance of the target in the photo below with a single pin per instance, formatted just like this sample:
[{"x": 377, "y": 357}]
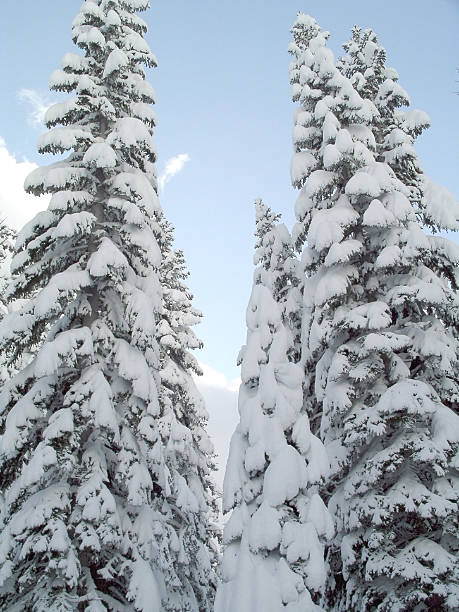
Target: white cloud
[
  {"x": 16, "y": 206},
  {"x": 38, "y": 103},
  {"x": 173, "y": 166},
  {"x": 220, "y": 395}
]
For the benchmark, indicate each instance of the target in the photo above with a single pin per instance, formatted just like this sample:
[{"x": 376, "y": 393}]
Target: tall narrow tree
[
  {"x": 87, "y": 488},
  {"x": 379, "y": 349},
  {"x": 273, "y": 556},
  {"x": 7, "y": 238},
  {"x": 188, "y": 451}
]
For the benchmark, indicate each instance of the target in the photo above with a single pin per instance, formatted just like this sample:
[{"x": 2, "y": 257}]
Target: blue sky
[{"x": 224, "y": 104}]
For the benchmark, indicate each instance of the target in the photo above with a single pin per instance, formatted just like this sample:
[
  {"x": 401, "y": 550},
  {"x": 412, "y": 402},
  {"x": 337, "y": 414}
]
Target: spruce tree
[
  {"x": 379, "y": 349},
  {"x": 96, "y": 514},
  {"x": 189, "y": 454},
  {"x": 273, "y": 538},
  {"x": 7, "y": 238}
]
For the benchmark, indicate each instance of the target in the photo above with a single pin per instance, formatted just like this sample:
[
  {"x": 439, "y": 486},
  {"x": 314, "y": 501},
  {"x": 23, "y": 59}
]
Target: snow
[
  {"x": 62, "y": 139},
  {"x": 415, "y": 120},
  {"x": 342, "y": 252},
  {"x": 264, "y": 531},
  {"x": 61, "y": 81},
  {"x": 333, "y": 282},
  {"x": 441, "y": 205},
  {"x": 328, "y": 226},
  {"x": 376, "y": 215},
  {"x": 144, "y": 112},
  {"x": 116, "y": 61},
  {"x": 106, "y": 259},
  {"x": 90, "y": 36},
  {"x": 100, "y": 155},
  {"x": 64, "y": 349},
  {"x": 320, "y": 184},
  {"x": 303, "y": 163},
  {"x": 57, "y": 177},
  {"x": 133, "y": 367},
  {"x": 131, "y": 132},
  {"x": 75, "y": 223},
  {"x": 362, "y": 183}
]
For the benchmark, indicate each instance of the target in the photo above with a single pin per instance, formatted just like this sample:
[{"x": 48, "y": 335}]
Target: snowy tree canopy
[
  {"x": 395, "y": 130},
  {"x": 379, "y": 337},
  {"x": 277, "y": 522},
  {"x": 189, "y": 454},
  {"x": 7, "y": 238},
  {"x": 97, "y": 512}
]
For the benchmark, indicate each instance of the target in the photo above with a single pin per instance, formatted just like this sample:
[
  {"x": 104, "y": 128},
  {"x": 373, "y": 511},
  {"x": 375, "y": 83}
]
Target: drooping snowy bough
[
  {"x": 380, "y": 348},
  {"x": 99, "y": 510},
  {"x": 7, "y": 239},
  {"x": 273, "y": 538}
]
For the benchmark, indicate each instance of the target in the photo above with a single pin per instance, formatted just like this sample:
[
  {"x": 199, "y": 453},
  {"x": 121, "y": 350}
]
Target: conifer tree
[
  {"x": 189, "y": 454},
  {"x": 7, "y": 238},
  {"x": 94, "y": 513},
  {"x": 273, "y": 550},
  {"x": 379, "y": 349}
]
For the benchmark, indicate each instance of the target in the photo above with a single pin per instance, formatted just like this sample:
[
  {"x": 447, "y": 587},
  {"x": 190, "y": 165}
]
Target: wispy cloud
[
  {"x": 173, "y": 166},
  {"x": 37, "y": 103}
]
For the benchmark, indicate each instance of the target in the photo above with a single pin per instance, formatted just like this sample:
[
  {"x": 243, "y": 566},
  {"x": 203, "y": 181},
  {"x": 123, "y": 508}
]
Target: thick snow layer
[
  {"x": 285, "y": 475},
  {"x": 116, "y": 61},
  {"x": 74, "y": 223},
  {"x": 440, "y": 205},
  {"x": 100, "y": 155},
  {"x": 303, "y": 163},
  {"x": 328, "y": 226},
  {"x": 62, "y": 139},
  {"x": 363, "y": 184},
  {"x": 91, "y": 36},
  {"x": 131, "y": 132},
  {"x": 136, "y": 187},
  {"x": 65, "y": 348},
  {"x": 320, "y": 184},
  {"x": 108, "y": 257}
]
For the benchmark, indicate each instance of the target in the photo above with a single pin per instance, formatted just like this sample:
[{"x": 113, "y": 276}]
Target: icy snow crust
[
  {"x": 106, "y": 467},
  {"x": 379, "y": 328}
]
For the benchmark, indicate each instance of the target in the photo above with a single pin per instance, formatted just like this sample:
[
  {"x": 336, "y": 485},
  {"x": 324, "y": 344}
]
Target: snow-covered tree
[
  {"x": 7, "y": 238},
  {"x": 273, "y": 538},
  {"x": 189, "y": 454},
  {"x": 94, "y": 515},
  {"x": 396, "y": 129},
  {"x": 379, "y": 348}
]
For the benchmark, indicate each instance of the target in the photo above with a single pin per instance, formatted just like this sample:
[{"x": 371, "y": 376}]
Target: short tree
[
  {"x": 273, "y": 555},
  {"x": 188, "y": 452},
  {"x": 7, "y": 239}
]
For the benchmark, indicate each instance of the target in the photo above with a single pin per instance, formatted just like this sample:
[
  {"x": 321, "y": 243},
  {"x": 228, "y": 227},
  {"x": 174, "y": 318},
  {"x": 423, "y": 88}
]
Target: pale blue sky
[{"x": 224, "y": 99}]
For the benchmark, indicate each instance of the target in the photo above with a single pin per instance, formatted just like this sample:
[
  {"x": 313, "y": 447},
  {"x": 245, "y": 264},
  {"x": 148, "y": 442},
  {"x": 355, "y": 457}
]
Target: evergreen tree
[
  {"x": 189, "y": 454},
  {"x": 92, "y": 517},
  {"x": 379, "y": 347},
  {"x": 273, "y": 551},
  {"x": 395, "y": 132},
  {"x": 7, "y": 238}
]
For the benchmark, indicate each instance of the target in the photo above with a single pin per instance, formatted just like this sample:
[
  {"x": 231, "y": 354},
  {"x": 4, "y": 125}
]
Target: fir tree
[
  {"x": 91, "y": 491},
  {"x": 379, "y": 347},
  {"x": 273, "y": 555},
  {"x": 7, "y": 238},
  {"x": 189, "y": 454}
]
